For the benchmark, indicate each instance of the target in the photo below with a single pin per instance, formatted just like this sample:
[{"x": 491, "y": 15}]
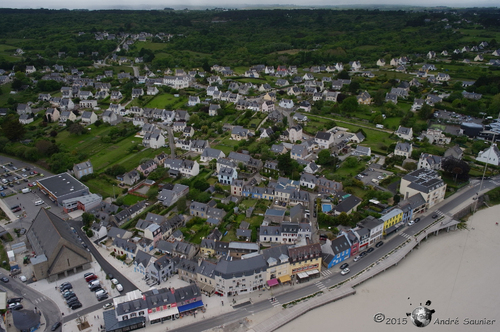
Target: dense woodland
[{"x": 273, "y": 37}]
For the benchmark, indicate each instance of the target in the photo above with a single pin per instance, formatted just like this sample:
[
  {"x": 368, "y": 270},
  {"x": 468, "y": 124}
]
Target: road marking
[
  {"x": 326, "y": 273},
  {"x": 320, "y": 285},
  {"x": 275, "y": 302},
  {"x": 405, "y": 235}
]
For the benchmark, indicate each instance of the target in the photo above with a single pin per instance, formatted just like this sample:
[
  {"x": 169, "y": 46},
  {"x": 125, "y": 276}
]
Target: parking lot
[
  {"x": 373, "y": 176},
  {"x": 80, "y": 288}
]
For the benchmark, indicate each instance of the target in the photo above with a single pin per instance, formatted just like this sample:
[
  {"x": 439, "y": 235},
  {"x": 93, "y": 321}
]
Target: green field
[{"x": 167, "y": 101}]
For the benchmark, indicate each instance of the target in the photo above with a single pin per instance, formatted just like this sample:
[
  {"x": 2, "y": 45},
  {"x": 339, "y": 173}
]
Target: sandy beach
[{"x": 458, "y": 272}]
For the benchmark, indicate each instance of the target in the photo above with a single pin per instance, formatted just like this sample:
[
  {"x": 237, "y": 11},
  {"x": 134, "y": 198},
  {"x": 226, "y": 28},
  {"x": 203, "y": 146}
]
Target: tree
[
  {"x": 76, "y": 128},
  {"x": 285, "y": 164},
  {"x": 425, "y": 112},
  {"x": 181, "y": 204},
  {"x": 324, "y": 157},
  {"x": 410, "y": 166},
  {"x": 12, "y": 128},
  {"x": 349, "y": 105},
  {"x": 459, "y": 168},
  {"x": 87, "y": 219}
]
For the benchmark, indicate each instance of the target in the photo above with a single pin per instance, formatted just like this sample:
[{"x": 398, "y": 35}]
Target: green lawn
[
  {"x": 103, "y": 187},
  {"x": 167, "y": 101},
  {"x": 131, "y": 199}
]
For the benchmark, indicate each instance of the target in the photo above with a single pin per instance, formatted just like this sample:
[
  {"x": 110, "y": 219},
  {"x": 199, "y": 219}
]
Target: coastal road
[
  {"x": 334, "y": 275},
  {"x": 43, "y": 303}
]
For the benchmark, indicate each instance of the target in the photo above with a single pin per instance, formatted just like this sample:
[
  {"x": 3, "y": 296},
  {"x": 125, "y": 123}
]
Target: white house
[
  {"x": 403, "y": 149},
  {"x": 491, "y": 155}
]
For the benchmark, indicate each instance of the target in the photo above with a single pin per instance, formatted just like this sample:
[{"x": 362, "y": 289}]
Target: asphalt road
[
  {"x": 48, "y": 308},
  {"x": 336, "y": 277}
]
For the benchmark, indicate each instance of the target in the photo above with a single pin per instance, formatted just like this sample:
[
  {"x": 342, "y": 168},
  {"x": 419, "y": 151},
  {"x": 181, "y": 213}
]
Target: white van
[
  {"x": 40, "y": 202},
  {"x": 94, "y": 283},
  {"x": 100, "y": 293}
]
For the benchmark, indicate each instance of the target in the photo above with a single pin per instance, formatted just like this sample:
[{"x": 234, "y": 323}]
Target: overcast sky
[{"x": 144, "y": 4}]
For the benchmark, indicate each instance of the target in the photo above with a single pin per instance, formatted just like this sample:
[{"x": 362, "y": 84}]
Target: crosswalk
[
  {"x": 39, "y": 300},
  {"x": 405, "y": 235},
  {"x": 320, "y": 285},
  {"x": 326, "y": 273},
  {"x": 274, "y": 301}
]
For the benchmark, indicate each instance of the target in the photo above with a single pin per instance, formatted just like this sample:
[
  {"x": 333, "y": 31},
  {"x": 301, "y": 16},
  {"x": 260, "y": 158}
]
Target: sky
[{"x": 156, "y": 4}]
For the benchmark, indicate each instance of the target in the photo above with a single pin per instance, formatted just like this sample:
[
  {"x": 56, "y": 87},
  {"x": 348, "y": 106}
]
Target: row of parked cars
[
  {"x": 95, "y": 286},
  {"x": 14, "y": 303},
  {"x": 69, "y": 296}
]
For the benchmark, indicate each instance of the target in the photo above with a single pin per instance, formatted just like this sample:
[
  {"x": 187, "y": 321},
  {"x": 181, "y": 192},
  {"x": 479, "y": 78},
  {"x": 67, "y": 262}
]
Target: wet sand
[{"x": 459, "y": 272}]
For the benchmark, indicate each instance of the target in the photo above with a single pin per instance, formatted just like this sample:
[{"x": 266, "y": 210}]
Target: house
[
  {"x": 305, "y": 261},
  {"x": 364, "y": 98},
  {"x": 426, "y": 182},
  {"x": 455, "y": 152},
  {"x": 177, "y": 248},
  {"x": 110, "y": 117},
  {"x": 275, "y": 116},
  {"x": 56, "y": 248},
  {"x": 381, "y": 62},
  {"x": 227, "y": 175},
  {"x": 239, "y": 133},
  {"x": 335, "y": 251},
  {"x": 213, "y": 109},
  {"x": 184, "y": 167},
  {"x": 115, "y": 95},
  {"x": 325, "y": 186},
  {"x": 193, "y": 100},
  {"x": 324, "y": 139},
  {"x": 490, "y": 156},
  {"x": 235, "y": 276},
  {"x": 403, "y": 149},
  {"x": 298, "y": 151},
  {"x": 205, "y": 211},
  {"x": 89, "y": 117},
  {"x": 311, "y": 168},
  {"x": 393, "y": 219},
  {"x": 295, "y": 133},
  {"x": 370, "y": 231},
  {"x": 169, "y": 197},
  {"x": 286, "y": 103},
  {"x": 266, "y": 133},
  {"x": 361, "y": 151},
  {"x": 67, "y": 115},
  {"x": 429, "y": 161},
  {"x": 52, "y": 114},
  {"x": 154, "y": 139},
  {"x": 188, "y": 131},
  {"x": 436, "y": 136},
  {"x": 83, "y": 169},
  {"x": 129, "y": 178},
  {"x": 147, "y": 167},
  {"x": 391, "y": 97},
  {"x": 267, "y": 106},
  {"x": 209, "y": 154},
  {"x": 24, "y": 109},
  {"x": 357, "y": 137},
  {"x": 443, "y": 77},
  {"x": 152, "y": 91},
  {"x": 404, "y": 133},
  {"x": 300, "y": 117},
  {"x": 347, "y": 205},
  {"x": 308, "y": 180},
  {"x": 294, "y": 91}
]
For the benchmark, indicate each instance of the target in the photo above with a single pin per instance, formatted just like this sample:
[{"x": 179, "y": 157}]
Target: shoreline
[{"x": 453, "y": 280}]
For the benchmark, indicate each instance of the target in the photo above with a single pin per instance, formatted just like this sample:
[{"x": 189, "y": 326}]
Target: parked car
[
  {"x": 55, "y": 326},
  {"x": 119, "y": 287},
  {"x": 370, "y": 250},
  {"x": 363, "y": 254},
  {"x": 12, "y": 305},
  {"x": 416, "y": 220},
  {"x": 379, "y": 244},
  {"x": 17, "y": 307},
  {"x": 88, "y": 274},
  {"x": 76, "y": 306},
  {"x": 4, "y": 279},
  {"x": 357, "y": 258},
  {"x": 344, "y": 266},
  {"x": 411, "y": 223},
  {"x": 90, "y": 278},
  {"x": 14, "y": 300},
  {"x": 345, "y": 271},
  {"x": 107, "y": 306},
  {"x": 102, "y": 297},
  {"x": 66, "y": 288}
]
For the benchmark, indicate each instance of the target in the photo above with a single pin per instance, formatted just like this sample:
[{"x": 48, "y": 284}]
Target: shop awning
[
  {"x": 272, "y": 282},
  {"x": 302, "y": 275},
  {"x": 312, "y": 272},
  {"x": 163, "y": 313},
  {"x": 284, "y": 279},
  {"x": 207, "y": 288},
  {"x": 191, "y": 306}
]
